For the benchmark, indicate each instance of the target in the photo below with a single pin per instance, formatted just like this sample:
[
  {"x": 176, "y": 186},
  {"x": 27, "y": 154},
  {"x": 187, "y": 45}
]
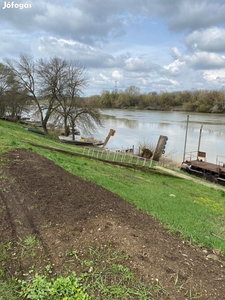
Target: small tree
[{"x": 86, "y": 116}]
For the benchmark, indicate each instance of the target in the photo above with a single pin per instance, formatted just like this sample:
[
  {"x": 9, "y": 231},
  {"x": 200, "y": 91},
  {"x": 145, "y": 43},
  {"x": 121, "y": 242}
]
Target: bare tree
[
  {"x": 4, "y": 85},
  {"x": 13, "y": 98},
  {"x": 72, "y": 80},
  {"x": 5, "y": 74},
  {"x": 55, "y": 85},
  {"x": 86, "y": 115},
  {"x": 73, "y": 109},
  {"x": 52, "y": 77},
  {"x": 29, "y": 77}
]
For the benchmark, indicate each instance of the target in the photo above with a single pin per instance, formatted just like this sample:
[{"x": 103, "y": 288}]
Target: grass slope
[{"x": 195, "y": 211}]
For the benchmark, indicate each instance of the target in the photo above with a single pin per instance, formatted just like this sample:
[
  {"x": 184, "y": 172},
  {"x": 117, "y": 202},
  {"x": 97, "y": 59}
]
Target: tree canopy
[{"x": 55, "y": 86}]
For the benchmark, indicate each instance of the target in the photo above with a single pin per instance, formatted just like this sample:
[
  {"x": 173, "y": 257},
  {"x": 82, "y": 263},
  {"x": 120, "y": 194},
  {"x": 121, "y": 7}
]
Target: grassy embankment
[{"x": 196, "y": 211}]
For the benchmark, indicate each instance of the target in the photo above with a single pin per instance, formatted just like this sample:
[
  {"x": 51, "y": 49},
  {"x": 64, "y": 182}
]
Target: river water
[
  {"x": 138, "y": 127},
  {"x": 143, "y": 127}
]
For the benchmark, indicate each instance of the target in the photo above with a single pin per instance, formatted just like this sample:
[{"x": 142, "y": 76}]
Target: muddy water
[{"x": 138, "y": 127}]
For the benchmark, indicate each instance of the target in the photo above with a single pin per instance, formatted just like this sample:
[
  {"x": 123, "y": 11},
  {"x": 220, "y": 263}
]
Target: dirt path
[
  {"x": 203, "y": 182},
  {"x": 68, "y": 213}
]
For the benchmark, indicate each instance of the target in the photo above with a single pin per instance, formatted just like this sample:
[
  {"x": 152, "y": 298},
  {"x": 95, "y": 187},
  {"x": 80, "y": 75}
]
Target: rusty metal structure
[
  {"x": 196, "y": 164},
  {"x": 160, "y": 148}
]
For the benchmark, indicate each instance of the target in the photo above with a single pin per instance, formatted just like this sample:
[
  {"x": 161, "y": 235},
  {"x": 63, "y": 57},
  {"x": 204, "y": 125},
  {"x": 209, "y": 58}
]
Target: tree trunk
[{"x": 73, "y": 130}]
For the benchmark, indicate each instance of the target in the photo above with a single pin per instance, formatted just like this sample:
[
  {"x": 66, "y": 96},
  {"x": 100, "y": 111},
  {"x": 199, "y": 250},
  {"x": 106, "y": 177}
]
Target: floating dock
[{"x": 200, "y": 167}]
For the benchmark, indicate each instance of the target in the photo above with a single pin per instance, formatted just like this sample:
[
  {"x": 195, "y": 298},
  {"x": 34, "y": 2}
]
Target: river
[
  {"x": 138, "y": 127},
  {"x": 143, "y": 127}
]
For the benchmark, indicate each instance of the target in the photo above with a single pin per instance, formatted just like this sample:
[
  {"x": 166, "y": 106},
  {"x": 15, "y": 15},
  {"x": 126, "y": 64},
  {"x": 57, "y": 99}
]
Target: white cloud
[
  {"x": 117, "y": 75},
  {"x": 137, "y": 64},
  {"x": 175, "y": 53},
  {"x": 91, "y": 57},
  {"x": 215, "y": 77},
  {"x": 105, "y": 78},
  {"x": 210, "y": 39},
  {"x": 199, "y": 60},
  {"x": 175, "y": 67},
  {"x": 205, "y": 60}
]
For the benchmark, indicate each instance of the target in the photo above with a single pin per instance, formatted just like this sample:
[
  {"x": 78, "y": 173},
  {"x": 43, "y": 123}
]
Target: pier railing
[
  {"x": 193, "y": 155},
  {"x": 124, "y": 157},
  {"x": 220, "y": 160}
]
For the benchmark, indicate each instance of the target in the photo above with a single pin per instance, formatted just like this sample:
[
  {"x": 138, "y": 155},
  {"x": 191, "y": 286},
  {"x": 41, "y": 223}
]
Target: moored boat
[
  {"x": 89, "y": 141},
  {"x": 199, "y": 167},
  {"x": 81, "y": 143}
]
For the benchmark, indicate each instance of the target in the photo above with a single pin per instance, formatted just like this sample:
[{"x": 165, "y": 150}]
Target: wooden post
[{"x": 111, "y": 133}]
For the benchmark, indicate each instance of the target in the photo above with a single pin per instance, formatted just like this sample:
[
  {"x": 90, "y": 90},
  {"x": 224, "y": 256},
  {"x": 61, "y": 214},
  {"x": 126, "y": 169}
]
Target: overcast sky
[{"x": 156, "y": 45}]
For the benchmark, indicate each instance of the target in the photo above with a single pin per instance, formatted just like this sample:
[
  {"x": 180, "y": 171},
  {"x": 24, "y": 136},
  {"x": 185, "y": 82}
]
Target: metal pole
[
  {"x": 199, "y": 141},
  {"x": 185, "y": 141}
]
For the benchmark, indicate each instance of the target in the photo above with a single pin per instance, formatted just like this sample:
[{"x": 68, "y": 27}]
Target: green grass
[{"x": 8, "y": 290}]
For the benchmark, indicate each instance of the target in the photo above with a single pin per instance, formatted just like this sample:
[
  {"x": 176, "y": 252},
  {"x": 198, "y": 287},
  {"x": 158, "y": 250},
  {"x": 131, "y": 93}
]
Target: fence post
[
  {"x": 107, "y": 155},
  {"x": 144, "y": 162},
  {"x": 114, "y": 156}
]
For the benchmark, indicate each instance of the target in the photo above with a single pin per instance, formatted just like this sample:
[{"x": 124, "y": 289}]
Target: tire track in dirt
[
  {"x": 6, "y": 216},
  {"x": 20, "y": 223}
]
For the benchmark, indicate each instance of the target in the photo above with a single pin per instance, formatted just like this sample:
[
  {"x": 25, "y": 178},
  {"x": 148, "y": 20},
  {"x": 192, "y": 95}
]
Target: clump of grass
[
  {"x": 108, "y": 276},
  {"x": 28, "y": 246},
  {"x": 4, "y": 251},
  {"x": 60, "y": 288},
  {"x": 105, "y": 274},
  {"x": 8, "y": 290},
  {"x": 30, "y": 241}
]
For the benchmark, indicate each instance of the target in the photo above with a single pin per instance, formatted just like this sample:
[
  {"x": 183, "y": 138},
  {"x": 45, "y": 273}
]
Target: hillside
[{"x": 69, "y": 215}]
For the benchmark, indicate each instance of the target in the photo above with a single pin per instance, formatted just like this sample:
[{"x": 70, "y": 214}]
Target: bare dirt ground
[{"x": 65, "y": 213}]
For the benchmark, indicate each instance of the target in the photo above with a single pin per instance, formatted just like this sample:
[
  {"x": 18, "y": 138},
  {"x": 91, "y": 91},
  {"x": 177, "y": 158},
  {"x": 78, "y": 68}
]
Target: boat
[
  {"x": 24, "y": 121},
  {"x": 35, "y": 130},
  {"x": 199, "y": 167},
  {"x": 195, "y": 162},
  {"x": 9, "y": 119},
  {"x": 81, "y": 143}
]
